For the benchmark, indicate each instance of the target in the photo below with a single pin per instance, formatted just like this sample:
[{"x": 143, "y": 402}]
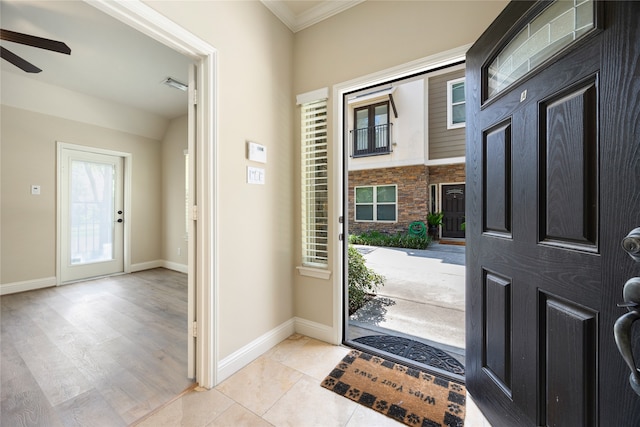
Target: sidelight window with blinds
[{"x": 315, "y": 212}]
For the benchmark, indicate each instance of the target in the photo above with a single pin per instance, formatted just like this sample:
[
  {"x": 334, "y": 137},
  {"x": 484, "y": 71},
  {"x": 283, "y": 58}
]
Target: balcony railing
[{"x": 371, "y": 141}]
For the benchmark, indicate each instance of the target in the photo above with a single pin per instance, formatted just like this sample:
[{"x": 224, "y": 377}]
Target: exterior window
[
  {"x": 376, "y": 203},
  {"x": 433, "y": 192},
  {"x": 315, "y": 212},
  {"x": 372, "y": 130},
  {"x": 456, "y": 115}
]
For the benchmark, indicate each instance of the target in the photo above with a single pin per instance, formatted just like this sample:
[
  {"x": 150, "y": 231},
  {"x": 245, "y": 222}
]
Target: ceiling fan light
[{"x": 175, "y": 84}]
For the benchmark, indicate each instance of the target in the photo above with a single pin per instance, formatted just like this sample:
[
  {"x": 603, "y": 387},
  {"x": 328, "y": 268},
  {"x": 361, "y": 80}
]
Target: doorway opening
[
  {"x": 202, "y": 150},
  {"x": 403, "y": 163}
]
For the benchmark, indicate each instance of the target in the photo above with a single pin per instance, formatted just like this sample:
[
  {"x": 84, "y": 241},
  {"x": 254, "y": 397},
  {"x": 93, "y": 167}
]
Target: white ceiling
[
  {"x": 111, "y": 60},
  {"x": 108, "y": 60},
  {"x": 300, "y": 14}
]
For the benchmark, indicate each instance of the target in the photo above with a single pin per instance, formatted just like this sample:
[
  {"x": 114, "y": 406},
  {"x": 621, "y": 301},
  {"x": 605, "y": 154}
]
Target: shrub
[
  {"x": 400, "y": 240},
  {"x": 363, "y": 281}
]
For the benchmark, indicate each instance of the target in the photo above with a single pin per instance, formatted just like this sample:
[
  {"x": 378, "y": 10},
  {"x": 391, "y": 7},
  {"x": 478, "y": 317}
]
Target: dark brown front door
[
  {"x": 553, "y": 186},
  {"x": 453, "y": 210}
]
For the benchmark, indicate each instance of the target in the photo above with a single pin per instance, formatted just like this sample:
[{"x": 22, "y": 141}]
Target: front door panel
[
  {"x": 544, "y": 263},
  {"x": 453, "y": 209}
]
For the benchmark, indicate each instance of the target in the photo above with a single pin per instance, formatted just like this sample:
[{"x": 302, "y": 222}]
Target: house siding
[
  {"x": 443, "y": 143},
  {"x": 412, "y": 196}
]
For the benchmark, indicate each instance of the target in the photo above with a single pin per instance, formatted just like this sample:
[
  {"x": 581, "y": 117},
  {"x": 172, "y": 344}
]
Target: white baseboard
[
  {"x": 315, "y": 330},
  {"x": 250, "y": 352},
  {"x": 182, "y": 268},
  {"x": 27, "y": 285},
  {"x": 147, "y": 265},
  {"x": 247, "y": 354},
  {"x": 47, "y": 282}
]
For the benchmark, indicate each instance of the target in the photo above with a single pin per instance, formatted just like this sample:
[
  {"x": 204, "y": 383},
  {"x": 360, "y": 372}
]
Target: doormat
[
  {"x": 408, "y": 395},
  {"x": 413, "y": 350},
  {"x": 453, "y": 242}
]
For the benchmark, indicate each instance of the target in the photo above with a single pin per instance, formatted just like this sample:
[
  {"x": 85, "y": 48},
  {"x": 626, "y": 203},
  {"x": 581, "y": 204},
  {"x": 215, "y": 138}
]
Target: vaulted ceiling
[{"x": 110, "y": 60}]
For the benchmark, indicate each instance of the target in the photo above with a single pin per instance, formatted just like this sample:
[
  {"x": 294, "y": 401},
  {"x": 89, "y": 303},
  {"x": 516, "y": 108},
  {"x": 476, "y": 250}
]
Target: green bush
[
  {"x": 434, "y": 219},
  {"x": 400, "y": 240},
  {"x": 363, "y": 281}
]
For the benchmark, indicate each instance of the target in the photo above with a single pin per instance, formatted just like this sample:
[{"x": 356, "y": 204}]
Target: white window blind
[{"x": 315, "y": 212}]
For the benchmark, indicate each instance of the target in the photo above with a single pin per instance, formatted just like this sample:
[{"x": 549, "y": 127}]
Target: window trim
[
  {"x": 450, "y": 103},
  {"x": 375, "y": 204}
]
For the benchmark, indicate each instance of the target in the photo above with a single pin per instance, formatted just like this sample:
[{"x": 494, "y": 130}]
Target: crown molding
[{"x": 299, "y": 22}]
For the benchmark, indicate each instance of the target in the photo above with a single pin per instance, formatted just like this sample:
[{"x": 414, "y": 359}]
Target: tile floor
[{"x": 280, "y": 388}]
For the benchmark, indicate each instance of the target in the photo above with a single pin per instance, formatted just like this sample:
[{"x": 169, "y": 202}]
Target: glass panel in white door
[{"x": 93, "y": 217}]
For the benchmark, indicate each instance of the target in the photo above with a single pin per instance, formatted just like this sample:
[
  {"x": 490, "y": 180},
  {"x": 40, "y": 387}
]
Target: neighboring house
[{"x": 406, "y": 153}]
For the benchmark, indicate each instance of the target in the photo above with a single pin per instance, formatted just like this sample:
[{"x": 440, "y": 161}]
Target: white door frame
[
  {"x": 422, "y": 65},
  {"x": 151, "y": 23},
  {"x": 126, "y": 171}
]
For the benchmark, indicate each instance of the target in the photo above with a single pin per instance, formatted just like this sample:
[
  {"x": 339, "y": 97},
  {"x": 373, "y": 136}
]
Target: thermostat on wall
[{"x": 256, "y": 152}]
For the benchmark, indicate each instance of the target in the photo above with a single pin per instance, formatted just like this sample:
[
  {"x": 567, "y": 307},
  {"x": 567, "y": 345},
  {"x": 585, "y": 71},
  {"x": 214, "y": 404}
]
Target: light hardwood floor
[{"x": 104, "y": 352}]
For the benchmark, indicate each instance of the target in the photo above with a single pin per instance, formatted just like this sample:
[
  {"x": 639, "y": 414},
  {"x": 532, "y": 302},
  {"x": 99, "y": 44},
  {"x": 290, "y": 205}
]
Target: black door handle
[
  {"x": 631, "y": 244},
  {"x": 622, "y": 329}
]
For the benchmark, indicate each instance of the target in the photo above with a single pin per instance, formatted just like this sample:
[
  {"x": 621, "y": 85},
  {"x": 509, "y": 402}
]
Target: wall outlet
[
  {"x": 35, "y": 190},
  {"x": 179, "y": 251}
]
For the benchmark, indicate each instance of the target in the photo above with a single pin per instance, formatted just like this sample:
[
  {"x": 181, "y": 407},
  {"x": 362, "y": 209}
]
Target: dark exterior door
[
  {"x": 453, "y": 210},
  {"x": 553, "y": 186}
]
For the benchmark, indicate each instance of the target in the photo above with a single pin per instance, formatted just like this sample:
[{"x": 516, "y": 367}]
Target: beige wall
[
  {"x": 255, "y": 102},
  {"x": 28, "y": 223},
  {"x": 369, "y": 38},
  {"x": 174, "y": 243}
]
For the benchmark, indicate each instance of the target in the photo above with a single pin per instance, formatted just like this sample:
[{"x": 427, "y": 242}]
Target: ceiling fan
[{"x": 34, "y": 41}]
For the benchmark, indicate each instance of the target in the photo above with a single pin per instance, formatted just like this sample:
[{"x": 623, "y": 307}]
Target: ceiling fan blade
[
  {"x": 17, "y": 61},
  {"x": 34, "y": 41}
]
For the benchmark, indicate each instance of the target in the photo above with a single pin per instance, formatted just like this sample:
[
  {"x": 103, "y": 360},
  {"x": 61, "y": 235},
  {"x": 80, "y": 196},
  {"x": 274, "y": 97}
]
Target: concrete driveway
[{"x": 423, "y": 295}]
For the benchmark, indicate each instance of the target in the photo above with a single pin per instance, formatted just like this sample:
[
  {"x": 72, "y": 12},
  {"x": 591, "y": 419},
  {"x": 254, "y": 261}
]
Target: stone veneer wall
[
  {"x": 447, "y": 174},
  {"x": 413, "y": 189},
  {"x": 413, "y": 193}
]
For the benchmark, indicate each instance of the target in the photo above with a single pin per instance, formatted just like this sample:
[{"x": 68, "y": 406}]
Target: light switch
[
  {"x": 35, "y": 190},
  {"x": 255, "y": 175}
]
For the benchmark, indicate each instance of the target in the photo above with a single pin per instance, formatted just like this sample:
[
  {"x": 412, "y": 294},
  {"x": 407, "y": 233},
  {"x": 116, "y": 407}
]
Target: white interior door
[{"x": 92, "y": 215}]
